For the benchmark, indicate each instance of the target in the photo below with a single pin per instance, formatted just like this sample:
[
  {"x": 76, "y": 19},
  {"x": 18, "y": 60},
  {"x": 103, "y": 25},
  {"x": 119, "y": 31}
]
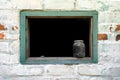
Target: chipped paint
[
  {"x": 2, "y": 35},
  {"x": 118, "y": 28},
  {"x": 118, "y": 37},
  {"x": 2, "y": 27},
  {"x": 102, "y": 37}
]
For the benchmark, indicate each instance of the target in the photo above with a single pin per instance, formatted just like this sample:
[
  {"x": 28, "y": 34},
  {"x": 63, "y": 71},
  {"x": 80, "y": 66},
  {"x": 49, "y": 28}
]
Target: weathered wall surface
[{"x": 108, "y": 67}]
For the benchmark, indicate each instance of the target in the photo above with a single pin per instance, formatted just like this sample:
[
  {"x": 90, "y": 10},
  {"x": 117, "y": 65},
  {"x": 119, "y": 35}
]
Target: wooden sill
[{"x": 58, "y": 60}]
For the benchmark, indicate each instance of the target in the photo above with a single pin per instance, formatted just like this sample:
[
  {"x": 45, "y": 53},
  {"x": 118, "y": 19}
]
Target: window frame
[{"x": 58, "y": 60}]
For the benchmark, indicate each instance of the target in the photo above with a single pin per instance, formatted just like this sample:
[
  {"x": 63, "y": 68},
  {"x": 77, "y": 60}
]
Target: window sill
[{"x": 58, "y": 60}]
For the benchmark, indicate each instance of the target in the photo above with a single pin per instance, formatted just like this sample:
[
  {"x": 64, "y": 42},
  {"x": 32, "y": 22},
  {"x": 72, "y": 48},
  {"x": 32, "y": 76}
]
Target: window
[{"x": 47, "y": 37}]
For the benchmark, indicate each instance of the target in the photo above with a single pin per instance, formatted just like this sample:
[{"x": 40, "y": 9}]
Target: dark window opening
[{"x": 54, "y": 37}]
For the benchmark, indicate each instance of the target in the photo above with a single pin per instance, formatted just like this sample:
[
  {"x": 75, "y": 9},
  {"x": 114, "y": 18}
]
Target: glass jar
[{"x": 78, "y": 49}]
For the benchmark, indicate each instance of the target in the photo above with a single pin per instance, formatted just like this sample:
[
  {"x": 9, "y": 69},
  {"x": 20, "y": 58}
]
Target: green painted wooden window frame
[{"x": 23, "y": 22}]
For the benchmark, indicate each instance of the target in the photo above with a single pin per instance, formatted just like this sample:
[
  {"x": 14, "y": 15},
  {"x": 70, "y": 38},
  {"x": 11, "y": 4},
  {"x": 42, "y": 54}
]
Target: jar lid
[{"x": 78, "y": 41}]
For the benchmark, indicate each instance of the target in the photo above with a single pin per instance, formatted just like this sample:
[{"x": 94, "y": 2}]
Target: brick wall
[{"x": 108, "y": 66}]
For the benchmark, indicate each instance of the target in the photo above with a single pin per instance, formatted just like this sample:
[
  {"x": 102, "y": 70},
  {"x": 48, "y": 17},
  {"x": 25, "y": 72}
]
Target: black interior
[{"x": 54, "y": 37}]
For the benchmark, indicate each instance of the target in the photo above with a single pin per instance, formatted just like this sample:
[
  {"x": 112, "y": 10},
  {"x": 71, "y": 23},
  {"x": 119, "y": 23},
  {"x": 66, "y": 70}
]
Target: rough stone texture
[{"x": 108, "y": 66}]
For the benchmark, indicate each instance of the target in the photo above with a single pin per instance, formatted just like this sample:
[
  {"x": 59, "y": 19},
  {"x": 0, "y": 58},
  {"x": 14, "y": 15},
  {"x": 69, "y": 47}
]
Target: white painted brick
[
  {"x": 27, "y": 70},
  {"x": 4, "y": 58},
  {"x": 59, "y": 70},
  {"x": 113, "y": 71},
  {"x": 111, "y": 48},
  {"x": 116, "y": 78},
  {"x": 100, "y": 78},
  {"x": 29, "y": 78},
  {"x": 11, "y": 36},
  {"x": 95, "y": 78},
  {"x": 109, "y": 17},
  {"x": 66, "y": 79},
  {"x": 9, "y": 18},
  {"x": 59, "y": 4},
  {"x": 15, "y": 47},
  {"x": 5, "y": 4},
  {"x": 18, "y": 70},
  {"x": 90, "y": 70},
  {"x": 115, "y": 5},
  {"x": 85, "y": 5},
  {"x": 14, "y": 58},
  {"x": 21, "y": 4},
  {"x": 112, "y": 36},
  {"x": 108, "y": 28},
  {"x": 108, "y": 51},
  {"x": 1, "y": 78},
  {"x": 28, "y": 4},
  {"x": 15, "y": 52},
  {"x": 4, "y": 70},
  {"x": 4, "y": 46},
  {"x": 36, "y": 70},
  {"x": 102, "y": 5},
  {"x": 102, "y": 17},
  {"x": 105, "y": 58}
]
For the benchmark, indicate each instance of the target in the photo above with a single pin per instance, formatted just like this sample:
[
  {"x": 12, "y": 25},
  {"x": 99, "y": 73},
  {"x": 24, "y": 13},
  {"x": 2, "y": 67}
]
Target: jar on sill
[{"x": 78, "y": 49}]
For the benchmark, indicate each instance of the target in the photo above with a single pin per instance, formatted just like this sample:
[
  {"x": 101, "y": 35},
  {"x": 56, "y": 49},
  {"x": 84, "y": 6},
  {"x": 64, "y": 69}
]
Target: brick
[
  {"x": 59, "y": 4},
  {"x": 102, "y": 37},
  {"x": 14, "y": 58},
  {"x": 26, "y": 70},
  {"x": 4, "y": 4},
  {"x": 85, "y": 5},
  {"x": 94, "y": 78},
  {"x": 27, "y": 4},
  {"x": 1, "y": 78},
  {"x": 35, "y": 70},
  {"x": 114, "y": 5},
  {"x": 90, "y": 70},
  {"x": 59, "y": 70},
  {"x": 117, "y": 28},
  {"x": 29, "y": 78},
  {"x": 66, "y": 79},
  {"x": 14, "y": 47},
  {"x": 2, "y": 27},
  {"x": 113, "y": 71},
  {"x": 4, "y": 70},
  {"x": 4, "y": 58},
  {"x": 2, "y": 35},
  {"x": 4, "y": 46},
  {"x": 116, "y": 78},
  {"x": 109, "y": 52},
  {"x": 110, "y": 48},
  {"x": 9, "y": 18}
]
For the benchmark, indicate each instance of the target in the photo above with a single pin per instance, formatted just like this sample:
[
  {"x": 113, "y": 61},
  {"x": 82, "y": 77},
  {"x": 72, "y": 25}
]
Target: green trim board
[{"x": 23, "y": 23}]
